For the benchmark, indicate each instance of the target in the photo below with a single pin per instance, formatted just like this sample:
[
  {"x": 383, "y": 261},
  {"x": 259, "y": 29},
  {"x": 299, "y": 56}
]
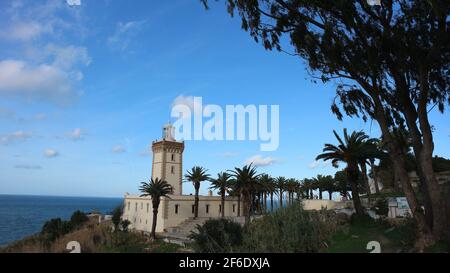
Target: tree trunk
[
  {"x": 155, "y": 216},
  {"x": 197, "y": 188},
  {"x": 330, "y": 193},
  {"x": 398, "y": 159},
  {"x": 265, "y": 202},
  {"x": 281, "y": 199},
  {"x": 271, "y": 201},
  {"x": 375, "y": 177},
  {"x": 223, "y": 203},
  {"x": 365, "y": 177},
  {"x": 239, "y": 205},
  {"x": 320, "y": 194},
  {"x": 352, "y": 176}
]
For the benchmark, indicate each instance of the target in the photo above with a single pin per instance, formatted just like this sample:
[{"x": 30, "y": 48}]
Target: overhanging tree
[{"x": 392, "y": 61}]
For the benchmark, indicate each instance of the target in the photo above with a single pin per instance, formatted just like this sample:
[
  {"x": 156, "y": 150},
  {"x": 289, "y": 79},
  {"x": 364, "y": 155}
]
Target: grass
[{"x": 355, "y": 237}]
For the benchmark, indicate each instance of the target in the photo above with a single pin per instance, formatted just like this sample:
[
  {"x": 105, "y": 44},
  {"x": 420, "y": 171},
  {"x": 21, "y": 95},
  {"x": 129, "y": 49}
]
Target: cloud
[
  {"x": 42, "y": 82},
  {"x": 124, "y": 34},
  {"x": 24, "y": 31},
  {"x": 50, "y": 153},
  {"x": 318, "y": 163},
  {"x": 76, "y": 134},
  {"x": 73, "y": 2},
  {"x": 261, "y": 161},
  {"x": 118, "y": 149},
  {"x": 28, "y": 167},
  {"x": 14, "y": 137}
]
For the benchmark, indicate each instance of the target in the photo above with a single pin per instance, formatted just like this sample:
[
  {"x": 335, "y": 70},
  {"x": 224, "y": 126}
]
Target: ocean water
[{"x": 21, "y": 216}]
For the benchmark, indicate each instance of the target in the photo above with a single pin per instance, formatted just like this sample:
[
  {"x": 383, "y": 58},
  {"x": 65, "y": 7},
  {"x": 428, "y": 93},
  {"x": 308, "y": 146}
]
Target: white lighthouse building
[{"x": 168, "y": 165}]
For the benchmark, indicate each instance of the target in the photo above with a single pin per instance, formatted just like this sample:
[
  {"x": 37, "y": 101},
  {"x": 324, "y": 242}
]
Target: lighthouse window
[
  {"x": 234, "y": 208},
  {"x": 128, "y": 205},
  {"x": 172, "y": 169},
  {"x": 193, "y": 208},
  {"x": 173, "y": 157},
  {"x": 176, "y": 209},
  {"x": 207, "y": 208},
  {"x": 135, "y": 206},
  {"x": 147, "y": 206}
]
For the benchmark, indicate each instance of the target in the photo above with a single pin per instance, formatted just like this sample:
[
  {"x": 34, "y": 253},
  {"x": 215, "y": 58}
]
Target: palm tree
[
  {"x": 271, "y": 189},
  {"x": 281, "y": 186},
  {"x": 291, "y": 187},
  {"x": 265, "y": 181},
  {"x": 348, "y": 151},
  {"x": 308, "y": 185},
  {"x": 318, "y": 184},
  {"x": 197, "y": 175},
  {"x": 221, "y": 183},
  {"x": 155, "y": 189},
  {"x": 246, "y": 180}
]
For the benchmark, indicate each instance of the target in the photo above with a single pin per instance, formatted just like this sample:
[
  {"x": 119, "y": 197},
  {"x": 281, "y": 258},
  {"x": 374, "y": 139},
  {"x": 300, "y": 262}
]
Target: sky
[{"x": 86, "y": 86}]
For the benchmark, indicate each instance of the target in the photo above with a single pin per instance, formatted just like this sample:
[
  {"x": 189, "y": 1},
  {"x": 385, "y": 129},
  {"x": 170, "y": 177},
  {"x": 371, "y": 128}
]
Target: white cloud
[
  {"x": 261, "y": 161},
  {"x": 50, "y": 153},
  {"x": 314, "y": 164},
  {"x": 24, "y": 31},
  {"x": 318, "y": 163},
  {"x": 73, "y": 2},
  {"x": 16, "y": 136},
  {"x": 42, "y": 82},
  {"x": 76, "y": 134},
  {"x": 68, "y": 57},
  {"x": 118, "y": 149},
  {"x": 124, "y": 34}
]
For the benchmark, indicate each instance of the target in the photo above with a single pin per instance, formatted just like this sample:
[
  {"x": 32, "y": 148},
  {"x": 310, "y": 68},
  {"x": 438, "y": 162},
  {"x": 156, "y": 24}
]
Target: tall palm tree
[
  {"x": 246, "y": 179},
  {"x": 155, "y": 189},
  {"x": 291, "y": 187},
  {"x": 265, "y": 181},
  {"x": 281, "y": 186},
  {"x": 308, "y": 185},
  {"x": 197, "y": 175},
  {"x": 319, "y": 183},
  {"x": 348, "y": 151},
  {"x": 221, "y": 183}
]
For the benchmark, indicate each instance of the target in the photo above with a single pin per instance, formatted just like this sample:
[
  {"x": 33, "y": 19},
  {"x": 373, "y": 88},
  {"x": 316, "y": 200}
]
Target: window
[
  {"x": 173, "y": 157},
  {"x": 145, "y": 221},
  {"x": 176, "y": 209},
  {"x": 128, "y": 205},
  {"x": 220, "y": 208},
  {"x": 193, "y": 208},
  {"x": 147, "y": 206},
  {"x": 135, "y": 206},
  {"x": 142, "y": 206},
  {"x": 234, "y": 208},
  {"x": 172, "y": 169},
  {"x": 207, "y": 208}
]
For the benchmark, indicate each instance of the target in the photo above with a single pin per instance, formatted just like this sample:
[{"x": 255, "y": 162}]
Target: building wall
[
  {"x": 135, "y": 210},
  {"x": 139, "y": 211},
  {"x": 319, "y": 204}
]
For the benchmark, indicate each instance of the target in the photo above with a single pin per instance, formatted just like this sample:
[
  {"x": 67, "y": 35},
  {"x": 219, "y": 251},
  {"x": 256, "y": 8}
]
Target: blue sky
[{"x": 86, "y": 85}]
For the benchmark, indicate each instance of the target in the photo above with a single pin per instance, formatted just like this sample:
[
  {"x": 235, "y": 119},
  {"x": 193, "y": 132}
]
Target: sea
[{"x": 24, "y": 215}]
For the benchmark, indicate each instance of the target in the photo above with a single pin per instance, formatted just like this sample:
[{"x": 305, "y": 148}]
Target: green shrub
[
  {"x": 217, "y": 236},
  {"x": 289, "y": 230},
  {"x": 381, "y": 207},
  {"x": 77, "y": 219}
]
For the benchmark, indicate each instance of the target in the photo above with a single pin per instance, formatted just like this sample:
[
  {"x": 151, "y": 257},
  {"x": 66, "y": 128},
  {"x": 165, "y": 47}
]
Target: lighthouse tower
[{"x": 168, "y": 159}]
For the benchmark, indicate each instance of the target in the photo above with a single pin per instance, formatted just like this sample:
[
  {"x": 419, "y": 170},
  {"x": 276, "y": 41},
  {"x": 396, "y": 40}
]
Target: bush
[
  {"x": 217, "y": 236},
  {"x": 381, "y": 207},
  {"x": 78, "y": 218},
  {"x": 289, "y": 230}
]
